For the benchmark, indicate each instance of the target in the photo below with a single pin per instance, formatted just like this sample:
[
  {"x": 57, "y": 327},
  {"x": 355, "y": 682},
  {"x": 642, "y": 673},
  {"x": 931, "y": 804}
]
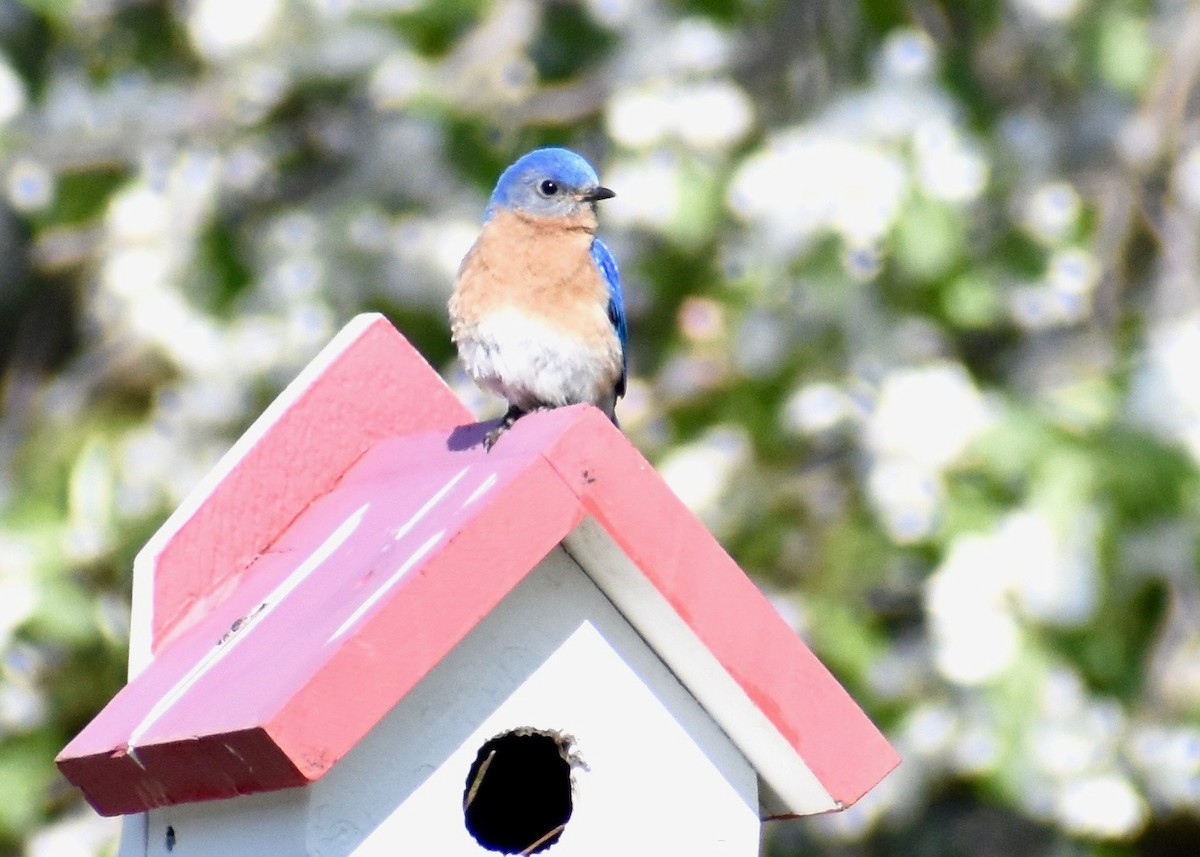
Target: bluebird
[{"x": 536, "y": 312}]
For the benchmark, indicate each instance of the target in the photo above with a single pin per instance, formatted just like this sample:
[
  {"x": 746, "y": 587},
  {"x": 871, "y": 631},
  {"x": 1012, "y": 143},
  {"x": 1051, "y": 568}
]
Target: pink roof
[{"x": 280, "y": 643}]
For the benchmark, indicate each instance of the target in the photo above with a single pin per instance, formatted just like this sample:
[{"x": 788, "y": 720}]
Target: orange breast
[{"x": 541, "y": 266}]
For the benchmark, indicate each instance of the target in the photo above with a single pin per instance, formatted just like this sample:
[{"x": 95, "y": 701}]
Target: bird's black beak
[{"x": 597, "y": 193}]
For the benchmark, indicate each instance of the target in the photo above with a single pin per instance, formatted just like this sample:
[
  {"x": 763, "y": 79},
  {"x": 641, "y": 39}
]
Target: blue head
[{"x": 548, "y": 183}]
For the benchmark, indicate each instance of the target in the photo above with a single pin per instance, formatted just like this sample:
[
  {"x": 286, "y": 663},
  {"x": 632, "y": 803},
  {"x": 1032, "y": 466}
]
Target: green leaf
[
  {"x": 26, "y": 771},
  {"x": 928, "y": 240},
  {"x": 1126, "y": 56},
  {"x": 972, "y": 301}
]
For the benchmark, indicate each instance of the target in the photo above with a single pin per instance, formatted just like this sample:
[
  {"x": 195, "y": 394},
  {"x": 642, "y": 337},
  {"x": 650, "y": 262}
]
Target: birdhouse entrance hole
[{"x": 517, "y": 798}]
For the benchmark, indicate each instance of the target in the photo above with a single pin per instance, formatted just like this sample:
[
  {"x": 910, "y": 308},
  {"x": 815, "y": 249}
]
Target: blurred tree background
[{"x": 914, "y": 295}]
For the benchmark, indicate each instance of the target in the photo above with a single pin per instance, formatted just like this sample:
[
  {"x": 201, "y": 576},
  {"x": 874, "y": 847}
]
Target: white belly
[{"x": 533, "y": 365}]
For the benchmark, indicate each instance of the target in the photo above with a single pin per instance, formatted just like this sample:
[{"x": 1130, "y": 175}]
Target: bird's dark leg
[{"x": 510, "y": 416}]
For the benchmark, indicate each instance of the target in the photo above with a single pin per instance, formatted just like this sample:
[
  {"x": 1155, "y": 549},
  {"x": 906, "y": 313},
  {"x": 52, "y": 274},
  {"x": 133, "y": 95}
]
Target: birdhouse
[{"x": 363, "y": 635}]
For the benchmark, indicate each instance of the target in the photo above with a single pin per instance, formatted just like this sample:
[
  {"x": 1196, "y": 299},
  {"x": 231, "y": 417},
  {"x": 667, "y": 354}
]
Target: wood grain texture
[
  {"x": 377, "y": 581},
  {"x": 371, "y": 383}
]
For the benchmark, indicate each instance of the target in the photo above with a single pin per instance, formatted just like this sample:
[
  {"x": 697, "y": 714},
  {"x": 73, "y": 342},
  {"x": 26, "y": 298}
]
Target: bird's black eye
[{"x": 548, "y": 188}]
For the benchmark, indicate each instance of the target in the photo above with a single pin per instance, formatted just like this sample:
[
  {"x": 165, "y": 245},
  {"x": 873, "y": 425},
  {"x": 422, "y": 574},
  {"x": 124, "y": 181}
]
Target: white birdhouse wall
[{"x": 653, "y": 774}]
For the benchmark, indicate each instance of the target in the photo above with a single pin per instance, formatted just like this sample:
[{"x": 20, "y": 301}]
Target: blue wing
[{"x": 616, "y": 306}]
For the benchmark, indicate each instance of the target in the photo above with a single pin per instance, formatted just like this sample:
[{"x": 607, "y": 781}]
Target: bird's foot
[
  {"x": 489, "y": 439},
  {"x": 510, "y": 416}
]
